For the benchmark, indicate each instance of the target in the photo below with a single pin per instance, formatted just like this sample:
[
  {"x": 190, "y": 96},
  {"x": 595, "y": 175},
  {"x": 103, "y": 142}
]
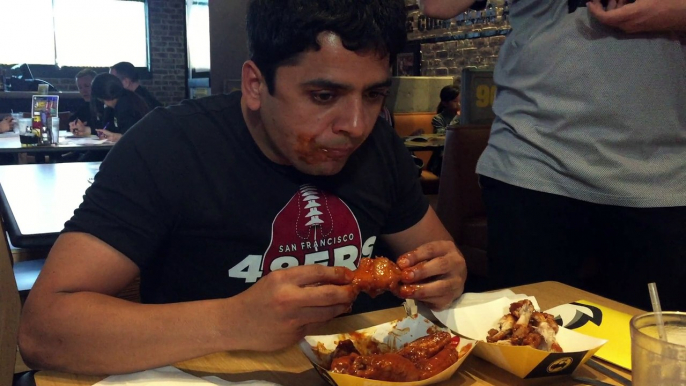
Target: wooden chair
[
  {"x": 460, "y": 205},
  {"x": 10, "y": 310}
]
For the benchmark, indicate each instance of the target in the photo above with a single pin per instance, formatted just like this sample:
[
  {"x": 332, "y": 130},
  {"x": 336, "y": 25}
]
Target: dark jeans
[{"x": 610, "y": 250}]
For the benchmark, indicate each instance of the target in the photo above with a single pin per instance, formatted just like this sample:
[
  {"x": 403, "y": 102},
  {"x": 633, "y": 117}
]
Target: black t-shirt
[
  {"x": 83, "y": 113},
  {"x": 188, "y": 196},
  {"x": 124, "y": 114}
]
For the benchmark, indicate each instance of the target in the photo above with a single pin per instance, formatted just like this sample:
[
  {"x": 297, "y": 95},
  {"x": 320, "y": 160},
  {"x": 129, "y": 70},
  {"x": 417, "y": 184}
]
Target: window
[
  {"x": 198, "y": 32},
  {"x": 79, "y": 33}
]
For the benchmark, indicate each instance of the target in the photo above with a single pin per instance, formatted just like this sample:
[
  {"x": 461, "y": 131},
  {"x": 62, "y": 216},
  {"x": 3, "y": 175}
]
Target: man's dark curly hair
[{"x": 280, "y": 30}]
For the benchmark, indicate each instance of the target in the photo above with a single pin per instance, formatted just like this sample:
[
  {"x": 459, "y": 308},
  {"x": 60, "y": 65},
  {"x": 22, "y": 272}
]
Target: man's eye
[
  {"x": 377, "y": 94},
  {"x": 322, "y": 97}
]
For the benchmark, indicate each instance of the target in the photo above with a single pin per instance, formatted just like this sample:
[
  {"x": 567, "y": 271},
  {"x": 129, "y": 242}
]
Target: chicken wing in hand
[{"x": 375, "y": 276}]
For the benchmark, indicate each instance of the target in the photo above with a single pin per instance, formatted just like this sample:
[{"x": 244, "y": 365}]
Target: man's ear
[{"x": 252, "y": 85}]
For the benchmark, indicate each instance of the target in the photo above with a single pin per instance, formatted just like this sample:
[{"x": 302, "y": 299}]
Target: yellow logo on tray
[{"x": 560, "y": 364}]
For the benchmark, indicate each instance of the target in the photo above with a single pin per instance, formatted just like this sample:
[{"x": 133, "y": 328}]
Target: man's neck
[{"x": 133, "y": 86}]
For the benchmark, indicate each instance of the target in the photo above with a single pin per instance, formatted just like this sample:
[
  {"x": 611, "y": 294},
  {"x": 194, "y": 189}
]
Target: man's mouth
[{"x": 338, "y": 152}]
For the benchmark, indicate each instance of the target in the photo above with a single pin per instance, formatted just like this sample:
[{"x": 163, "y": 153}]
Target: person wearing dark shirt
[
  {"x": 204, "y": 200},
  {"x": 83, "y": 83},
  {"x": 123, "y": 109},
  {"x": 126, "y": 72}
]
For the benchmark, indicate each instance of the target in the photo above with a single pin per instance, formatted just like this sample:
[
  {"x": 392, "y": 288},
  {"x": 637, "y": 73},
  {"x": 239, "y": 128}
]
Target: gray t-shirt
[{"x": 587, "y": 111}]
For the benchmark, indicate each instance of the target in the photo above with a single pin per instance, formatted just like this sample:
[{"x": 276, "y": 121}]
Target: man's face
[
  {"x": 84, "y": 85},
  {"x": 126, "y": 82},
  {"x": 323, "y": 107}
]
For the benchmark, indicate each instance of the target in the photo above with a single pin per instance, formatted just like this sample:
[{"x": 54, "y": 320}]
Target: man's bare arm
[
  {"x": 72, "y": 321},
  {"x": 444, "y": 9}
]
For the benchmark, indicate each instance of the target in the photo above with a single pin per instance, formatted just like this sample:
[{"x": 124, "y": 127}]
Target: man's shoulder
[{"x": 223, "y": 105}]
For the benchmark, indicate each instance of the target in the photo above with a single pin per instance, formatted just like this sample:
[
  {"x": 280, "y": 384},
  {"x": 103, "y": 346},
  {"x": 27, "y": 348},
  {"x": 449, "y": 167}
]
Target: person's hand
[
  {"x": 6, "y": 124},
  {"x": 642, "y": 15},
  {"x": 284, "y": 306},
  {"x": 108, "y": 135},
  {"x": 434, "y": 273},
  {"x": 79, "y": 129}
]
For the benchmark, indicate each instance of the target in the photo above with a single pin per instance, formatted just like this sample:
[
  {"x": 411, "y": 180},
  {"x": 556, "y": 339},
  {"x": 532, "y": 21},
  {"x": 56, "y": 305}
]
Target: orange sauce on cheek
[{"x": 307, "y": 151}]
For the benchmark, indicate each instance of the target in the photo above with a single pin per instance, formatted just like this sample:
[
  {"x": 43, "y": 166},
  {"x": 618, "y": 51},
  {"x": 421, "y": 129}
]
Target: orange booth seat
[{"x": 407, "y": 124}]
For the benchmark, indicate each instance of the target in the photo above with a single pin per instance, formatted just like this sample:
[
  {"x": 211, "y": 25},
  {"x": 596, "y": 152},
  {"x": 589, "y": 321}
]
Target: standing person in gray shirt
[{"x": 586, "y": 160}]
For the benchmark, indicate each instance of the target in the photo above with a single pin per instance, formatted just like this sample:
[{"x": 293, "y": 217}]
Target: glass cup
[
  {"x": 653, "y": 361},
  {"x": 55, "y": 135},
  {"x": 15, "y": 118}
]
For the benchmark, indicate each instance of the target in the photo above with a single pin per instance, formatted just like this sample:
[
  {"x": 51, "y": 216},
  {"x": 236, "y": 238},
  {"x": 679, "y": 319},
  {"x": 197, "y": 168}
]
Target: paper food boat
[
  {"x": 390, "y": 336},
  {"x": 474, "y": 321}
]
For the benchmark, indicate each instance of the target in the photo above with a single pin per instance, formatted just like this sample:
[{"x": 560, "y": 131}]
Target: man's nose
[{"x": 352, "y": 118}]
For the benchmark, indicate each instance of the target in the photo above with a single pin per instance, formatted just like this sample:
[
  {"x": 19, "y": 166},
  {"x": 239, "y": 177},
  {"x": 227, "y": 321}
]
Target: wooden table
[
  {"x": 426, "y": 142},
  {"x": 289, "y": 367},
  {"x": 37, "y": 199}
]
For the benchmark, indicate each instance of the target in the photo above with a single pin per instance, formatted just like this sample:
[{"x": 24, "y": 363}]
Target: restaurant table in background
[
  {"x": 9, "y": 143},
  {"x": 37, "y": 199},
  {"x": 430, "y": 142},
  {"x": 289, "y": 367}
]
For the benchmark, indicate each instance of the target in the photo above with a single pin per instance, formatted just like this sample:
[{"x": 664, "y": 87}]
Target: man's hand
[
  {"x": 108, "y": 135},
  {"x": 284, "y": 306},
  {"x": 79, "y": 129},
  {"x": 642, "y": 16},
  {"x": 434, "y": 273}
]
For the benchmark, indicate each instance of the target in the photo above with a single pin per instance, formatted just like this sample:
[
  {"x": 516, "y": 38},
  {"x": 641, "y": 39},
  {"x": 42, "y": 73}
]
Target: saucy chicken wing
[
  {"x": 375, "y": 276},
  {"x": 417, "y": 360}
]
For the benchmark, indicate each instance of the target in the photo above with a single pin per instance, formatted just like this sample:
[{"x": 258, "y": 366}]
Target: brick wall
[
  {"x": 166, "y": 20},
  {"x": 168, "y": 58}
]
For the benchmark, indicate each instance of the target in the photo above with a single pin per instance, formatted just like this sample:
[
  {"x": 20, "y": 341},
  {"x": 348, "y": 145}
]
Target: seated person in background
[
  {"x": 83, "y": 113},
  {"x": 6, "y": 124},
  {"x": 126, "y": 72},
  {"x": 448, "y": 111},
  {"x": 124, "y": 108},
  {"x": 205, "y": 199}
]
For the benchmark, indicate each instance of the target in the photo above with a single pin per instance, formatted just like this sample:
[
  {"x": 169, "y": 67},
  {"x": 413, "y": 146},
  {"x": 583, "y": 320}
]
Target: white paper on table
[
  {"x": 82, "y": 141},
  {"x": 171, "y": 376},
  {"x": 467, "y": 299}
]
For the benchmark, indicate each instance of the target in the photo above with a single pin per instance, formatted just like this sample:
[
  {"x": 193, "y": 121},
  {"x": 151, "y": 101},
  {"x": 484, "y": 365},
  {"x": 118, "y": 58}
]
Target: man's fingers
[
  {"x": 425, "y": 269},
  {"x": 317, "y": 315},
  {"x": 425, "y": 252},
  {"x": 327, "y": 295},
  {"x": 315, "y": 274},
  {"x": 440, "y": 293}
]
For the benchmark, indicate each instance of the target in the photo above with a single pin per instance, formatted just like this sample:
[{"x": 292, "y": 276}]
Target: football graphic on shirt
[{"x": 315, "y": 227}]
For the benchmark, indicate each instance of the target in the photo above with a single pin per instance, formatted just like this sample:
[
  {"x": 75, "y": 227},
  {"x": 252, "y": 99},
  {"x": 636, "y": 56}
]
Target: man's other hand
[{"x": 434, "y": 273}]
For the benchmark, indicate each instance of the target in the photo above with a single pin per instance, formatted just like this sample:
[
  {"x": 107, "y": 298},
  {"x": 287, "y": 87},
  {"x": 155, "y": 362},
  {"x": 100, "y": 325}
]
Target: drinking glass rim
[{"x": 647, "y": 314}]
